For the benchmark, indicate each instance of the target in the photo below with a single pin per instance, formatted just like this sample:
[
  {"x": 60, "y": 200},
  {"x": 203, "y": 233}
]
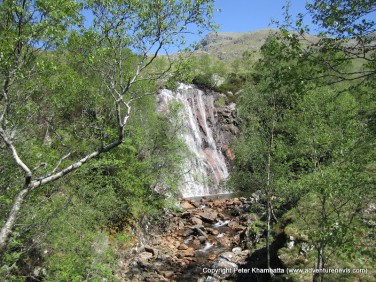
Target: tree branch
[{"x": 15, "y": 156}]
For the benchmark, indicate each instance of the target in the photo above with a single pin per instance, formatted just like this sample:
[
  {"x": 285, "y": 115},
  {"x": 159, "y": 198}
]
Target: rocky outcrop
[
  {"x": 229, "y": 129},
  {"x": 226, "y": 45},
  {"x": 230, "y": 45}
]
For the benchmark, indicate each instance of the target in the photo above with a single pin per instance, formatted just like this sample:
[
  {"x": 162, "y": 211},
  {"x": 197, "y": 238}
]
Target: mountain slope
[{"x": 225, "y": 45}]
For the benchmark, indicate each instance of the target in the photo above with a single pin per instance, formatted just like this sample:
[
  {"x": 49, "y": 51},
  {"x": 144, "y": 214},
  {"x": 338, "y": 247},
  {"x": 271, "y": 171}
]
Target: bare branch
[
  {"x": 39, "y": 182},
  {"x": 59, "y": 162},
  {"x": 16, "y": 158}
]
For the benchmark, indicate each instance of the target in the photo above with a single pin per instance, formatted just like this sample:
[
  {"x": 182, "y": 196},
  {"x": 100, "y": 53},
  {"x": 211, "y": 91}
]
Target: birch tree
[
  {"x": 120, "y": 41},
  {"x": 260, "y": 152}
]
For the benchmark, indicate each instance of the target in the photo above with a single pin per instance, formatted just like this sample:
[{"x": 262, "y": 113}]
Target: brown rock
[
  {"x": 236, "y": 226},
  {"x": 168, "y": 274},
  {"x": 150, "y": 249},
  {"x": 195, "y": 204},
  {"x": 185, "y": 214},
  {"x": 145, "y": 256},
  {"x": 171, "y": 246},
  {"x": 186, "y": 232},
  {"x": 236, "y": 201},
  {"x": 190, "y": 252},
  {"x": 202, "y": 239},
  {"x": 183, "y": 247},
  {"x": 218, "y": 203},
  {"x": 212, "y": 231},
  {"x": 225, "y": 241},
  {"x": 196, "y": 243},
  {"x": 186, "y": 205},
  {"x": 221, "y": 216},
  {"x": 212, "y": 257},
  {"x": 204, "y": 200},
  {"x": 228, "y": 152},
  {"x": 209, "y": 216},
  {"x": 196, "y": 221}
]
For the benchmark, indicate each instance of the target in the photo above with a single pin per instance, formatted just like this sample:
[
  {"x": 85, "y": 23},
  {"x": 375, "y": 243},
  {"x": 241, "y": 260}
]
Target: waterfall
[{"x": 206, "y": 167}]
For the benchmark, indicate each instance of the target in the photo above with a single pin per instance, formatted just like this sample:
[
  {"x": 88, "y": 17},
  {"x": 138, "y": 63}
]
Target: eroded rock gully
[{"x": 206, "y": 235}]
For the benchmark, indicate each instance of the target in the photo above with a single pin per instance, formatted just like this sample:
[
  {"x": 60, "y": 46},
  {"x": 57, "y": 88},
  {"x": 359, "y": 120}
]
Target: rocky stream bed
[{"x": 204, "y": 242}]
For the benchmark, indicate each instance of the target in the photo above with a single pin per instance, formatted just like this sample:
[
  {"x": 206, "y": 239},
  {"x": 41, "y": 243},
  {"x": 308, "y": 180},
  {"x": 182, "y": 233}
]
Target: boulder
[
  {"x": 220, "y": 215},
  {"x": 196, "y": 243},
  {"x": 196, "y": 221},
  {"x": 144, "y": 256},
  {"x": 168, "y": 274},
  {"x": 202, "y": 239},
  {"x": 236, "y": 201},
  {"x": 185, "y": 214},
  {"x": 150, "y": 250},
  {"x": 211, "y": 279},
  {"x": 190, "y": 252},
  {"x": 212, "y": 257},
  {"x": 195, "y": 204},
  {"x": 209, "y": 216},
  {"x": 225, "y": 241},
  {"x": 186, "y": 205},
  {"x": 204, "y": 200},
  {"x": 227, "y": 267},
  {"x": 213, "y": 231},
  {"x": 236, "y": 226},
  {"x": 236, "y": 250},
  {"x": 218, "y": 203},
  {"x": 230, "y": 256},
  {"x": 176, "y": 244},
  {"x": 187, "y": 232},
  {"x": 183, "y": 247}
]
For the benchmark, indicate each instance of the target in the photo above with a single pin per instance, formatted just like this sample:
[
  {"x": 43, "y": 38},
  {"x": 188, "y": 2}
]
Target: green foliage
[
  {"x": 204, "y": 81},
  {"x": 233, "y": 83},
  {"x": 131, "y": 182},
  {"x": 69, "y": 90},
  {"x": 346, "y": 31},
  {"x": 309, "y": 144}
]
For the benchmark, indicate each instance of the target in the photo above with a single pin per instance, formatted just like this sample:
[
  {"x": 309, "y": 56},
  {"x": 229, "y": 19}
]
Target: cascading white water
[{"x": 206, "y": 168}]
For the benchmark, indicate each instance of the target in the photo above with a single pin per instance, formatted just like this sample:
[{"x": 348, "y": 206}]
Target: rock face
[
  {"x": 227, "y": 44},
  {"x": 207, "y": 131},
  {"x": 188, "y": 246}
]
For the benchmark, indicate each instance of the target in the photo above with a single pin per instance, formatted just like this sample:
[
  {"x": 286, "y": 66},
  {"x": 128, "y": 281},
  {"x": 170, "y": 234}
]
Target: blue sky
[
  {"x": 248, "y": 15},
  {"x": 243, "y": 15},
  {"x": 251, "y": 15}
]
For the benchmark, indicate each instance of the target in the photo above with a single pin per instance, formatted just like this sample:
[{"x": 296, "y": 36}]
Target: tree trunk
[
  {"x": 319, "y": 276},
  {"x": 6, "y": 230},
  {"x": 320, "y": 263},
  {"x": 269, "y": 195},
  {"x": 30, "y": 185},
  {"x": 268, "y": 235}
]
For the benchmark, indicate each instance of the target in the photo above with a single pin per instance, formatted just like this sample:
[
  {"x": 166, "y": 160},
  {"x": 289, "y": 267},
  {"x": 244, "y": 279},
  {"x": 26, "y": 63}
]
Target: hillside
[{"x": 228, "y": 44}]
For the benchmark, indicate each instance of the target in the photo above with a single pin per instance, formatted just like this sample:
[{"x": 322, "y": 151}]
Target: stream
[{"x": 204, "y": 242}]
